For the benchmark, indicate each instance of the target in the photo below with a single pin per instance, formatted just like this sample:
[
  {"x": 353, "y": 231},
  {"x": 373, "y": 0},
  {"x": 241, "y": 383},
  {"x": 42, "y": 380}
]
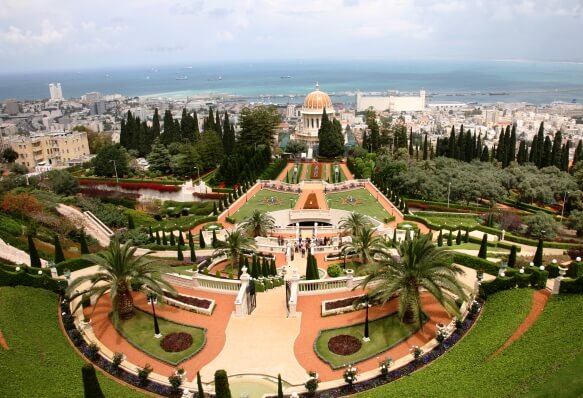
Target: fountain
[{"x": 245, "y": 386}]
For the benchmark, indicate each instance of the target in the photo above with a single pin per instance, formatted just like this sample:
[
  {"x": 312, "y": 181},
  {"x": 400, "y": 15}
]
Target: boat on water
[
  {"x": 285, "y": 77},
  {"x": 181, "y": 77},
  {"x": 497, "y": 93}
]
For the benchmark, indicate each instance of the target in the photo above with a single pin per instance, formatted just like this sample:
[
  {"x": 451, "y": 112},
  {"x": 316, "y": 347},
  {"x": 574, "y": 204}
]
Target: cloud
[
  {"x": 449, "y": 6},
  {"x": 219, "y": 12},
  {"x": 350, "y": 3},
  {"x": 225, "y": 35},
  {"x": 48, "y": 34},
  {"x": 165, "y": 48},
  {"x": 187, "y": 9}
]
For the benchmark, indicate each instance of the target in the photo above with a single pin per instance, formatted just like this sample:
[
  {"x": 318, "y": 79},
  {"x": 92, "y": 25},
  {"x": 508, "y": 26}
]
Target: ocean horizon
[{"x": 535, "y": 82}]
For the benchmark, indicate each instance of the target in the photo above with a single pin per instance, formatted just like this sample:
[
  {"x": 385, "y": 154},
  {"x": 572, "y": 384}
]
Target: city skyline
[{"x": 37, "y": 36}]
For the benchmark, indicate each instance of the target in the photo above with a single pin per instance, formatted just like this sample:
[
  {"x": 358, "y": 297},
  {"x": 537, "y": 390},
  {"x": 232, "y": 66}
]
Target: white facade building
[
  {"x": 391, "y": 103},
  {"x": 56, "y": 91}
]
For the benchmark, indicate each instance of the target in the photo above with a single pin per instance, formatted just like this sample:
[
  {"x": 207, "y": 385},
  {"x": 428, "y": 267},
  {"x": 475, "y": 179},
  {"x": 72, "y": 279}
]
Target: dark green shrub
[
  {"x": 483, "y": 253},
  {"x": 498, "y": 284},
  {"x": 83, "y": 242},
  {"x": 144, "y": 374},
  {"x": 575, "y": 269},
  {"x": 116, "y": 361},
  {"x": 222, "y": 389},
  {"x": 34, "y": 257},
  {"x": 572, "y": 286},
  {"x": 175, "y": 383},
  {"x": 93, "y": 351},
  {"x": 91, "y": 386},
  {"x": 476, "y": 263}
]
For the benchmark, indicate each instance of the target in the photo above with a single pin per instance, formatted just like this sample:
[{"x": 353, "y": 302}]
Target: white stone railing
[
  {"x": 178, "y": 280},
  {"x": 225, "y": 286},
  {"x": 309, "y": 213},
  {"x": 343, "y": 283},
  {"x": 98, "y": 223}
]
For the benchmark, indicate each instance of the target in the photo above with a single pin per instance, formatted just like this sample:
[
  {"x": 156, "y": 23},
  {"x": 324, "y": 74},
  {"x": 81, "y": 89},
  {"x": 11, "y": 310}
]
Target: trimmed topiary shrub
[
  {"x": 222, "y": 389},
  {"x": 334, "y": 270}
]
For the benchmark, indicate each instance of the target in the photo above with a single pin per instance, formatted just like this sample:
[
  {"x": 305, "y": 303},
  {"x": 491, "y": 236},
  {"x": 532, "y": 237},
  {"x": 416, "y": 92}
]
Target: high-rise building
[
  {"x": 56, "y": 91},
  {"x": 11, "y": 107}
]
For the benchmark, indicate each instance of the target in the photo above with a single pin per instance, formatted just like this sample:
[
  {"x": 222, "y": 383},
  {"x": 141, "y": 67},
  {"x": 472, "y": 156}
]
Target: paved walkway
[{"x": 261, "y": 343}]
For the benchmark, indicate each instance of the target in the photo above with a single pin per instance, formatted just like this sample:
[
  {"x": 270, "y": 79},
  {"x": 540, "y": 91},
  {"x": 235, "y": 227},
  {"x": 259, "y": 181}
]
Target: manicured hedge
[
  {"x": 442, "y": 206},
  {"x": 223, "y": 190},
  {"x": 575, "y": 269},
  {"x": 73, "y": 264},
  {"x": 476, "y": 263},
  {"x": 527, "y": 207},
  {"x": 571, "y": 286},
  {"x": 498, "y": 284},
  {"x": 22, "y": 278},
  {"x": 273, "y": 170}
]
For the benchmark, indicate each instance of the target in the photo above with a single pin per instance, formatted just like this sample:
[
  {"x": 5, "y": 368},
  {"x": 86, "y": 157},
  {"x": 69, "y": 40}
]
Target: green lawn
[
  {"x": 40, "y": 361},
  {"x": 140, "y": 332},
  {"x": 546, "y": 361},
  {"x": 259, "y": 201},
  {"x": 457, "y": 220},
  {"x": 365, "y": 203},
  {"x": 384, "y": 333}
]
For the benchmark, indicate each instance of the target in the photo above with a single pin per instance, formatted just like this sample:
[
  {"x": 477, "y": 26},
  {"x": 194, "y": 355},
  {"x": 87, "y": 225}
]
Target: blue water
[{"x": 445, "y": 80}]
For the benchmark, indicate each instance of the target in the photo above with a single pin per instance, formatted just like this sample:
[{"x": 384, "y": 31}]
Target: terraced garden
[{"x": 358, "y": 200}]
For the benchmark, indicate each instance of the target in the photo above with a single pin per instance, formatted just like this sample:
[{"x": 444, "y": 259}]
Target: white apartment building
[{"x": 56, "y": 91}]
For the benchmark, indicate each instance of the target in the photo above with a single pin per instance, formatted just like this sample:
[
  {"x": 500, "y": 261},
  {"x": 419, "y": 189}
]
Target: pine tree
[
  {"x": 425, "y": 148},
  {"x": 451, "y": 153},
  {"x": 546, "y": 159},
  {"x": 192, "y": 251},
  {"x": 279, "y": 386},
  {"x": 91, "y": 387},
  {"x": 512, "y": 257},
  {"x": 158, "y": 237},
  {"x": 556, "y": 150},
  {"x": 164, "y": 239},
  {"x": 59, "y": 255},
  {"x": 522, "y": 156},
  {"x": 538, "y": 255},
  {"x": 83, "y": 243},
  {"x": 458, "y": 238},
  {"x": 150, "y": 234},
  {"x": 440, "y": 239},
  {"x": 201, "y": 241},
  {"x": 449, "y": 239},
  {"x": 578, "y": 153},
  {"x": 467, "y": 236},
  {"x": 33, "y": 253},
  {"x": 228, "y": 135},
  {"x": 565, "y": 156},
  {"x": 131, "y": 224},
  {"x": 511, "y": 150},
  {"x": 215, "y": 211},
  {"x": 411, "y": 142},
  {"x": 155, "y": 132},
  {"x": 483, "y": 247},
  {"x": 485, "y": 157}
]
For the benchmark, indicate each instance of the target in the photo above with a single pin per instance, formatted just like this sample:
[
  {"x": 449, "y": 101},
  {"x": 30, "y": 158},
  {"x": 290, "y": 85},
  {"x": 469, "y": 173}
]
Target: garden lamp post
[
  {"x": 366, "y": 337},
  {"x": 197, "y": 172},
  {"x": 153, "y": 300},
  {"x": 344, "y": 260}
]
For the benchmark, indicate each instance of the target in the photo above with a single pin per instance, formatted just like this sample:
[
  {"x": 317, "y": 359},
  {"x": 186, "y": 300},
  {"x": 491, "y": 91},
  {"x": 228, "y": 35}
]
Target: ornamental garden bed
[
  {"x": 384, "y": 333},
  {"x": 339, "y": 306},
  {"x": 133, "y": 186},
  {"x": 195, "y": 304}
]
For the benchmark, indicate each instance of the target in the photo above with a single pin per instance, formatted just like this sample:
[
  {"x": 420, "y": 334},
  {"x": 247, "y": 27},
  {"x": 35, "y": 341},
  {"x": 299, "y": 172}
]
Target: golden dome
[{"x": 317, "y": 100}]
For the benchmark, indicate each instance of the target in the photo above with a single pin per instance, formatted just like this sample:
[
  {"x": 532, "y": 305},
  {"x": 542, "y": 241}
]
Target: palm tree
[
  {"x": 118, "y": 270},
  {"x": 419, "y": 265},
  {"x": 354, "y": 222},
  {"x": 258, "y": 224},
  {"x": 235, "y": 242},
  {"x": 363, "y": 243}
]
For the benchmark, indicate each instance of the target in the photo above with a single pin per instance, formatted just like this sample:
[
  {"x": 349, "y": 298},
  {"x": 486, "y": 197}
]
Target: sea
[{"x": 288, "y": 82}]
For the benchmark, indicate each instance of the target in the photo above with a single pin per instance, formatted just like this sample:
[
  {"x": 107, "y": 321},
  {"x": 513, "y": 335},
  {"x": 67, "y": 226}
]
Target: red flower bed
[
  {"x": 344, "y": 344},
  {"x": 102, "y": 193},
  {"x": 197, "y": 302},
  {"x": 176, "y": 342},
  {"x": 133, "y": 185},
  {"x": 346, "y": 302},
  {"x": 316, "y": 171},
  {"x": 211, "y": 195}
]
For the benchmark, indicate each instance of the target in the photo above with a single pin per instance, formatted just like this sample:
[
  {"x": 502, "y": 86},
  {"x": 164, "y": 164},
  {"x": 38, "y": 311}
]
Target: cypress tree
[
  {"x": 131, "y": 224},
  {"x": 565, "y": 156},
  {"x": 538, "y": 255},
  {"x": 155, "y": 132},
  {"x": 33, "y": 253},
  {"x": 458, "y": 238},
  {"x": 485, "y": 157},
  {"x": 264, "y": 268},
  {"x": 201, "y": 242},
  {"x": 449, "y": 239},
  {"x": 164, "y": 239},
  {"x": 556, "y": 150},
  {"x": 546, "y": 159},
  {"x": 215, "y": 211},
  {"x": 315, "y": 268},
  {"x": 150, "y": 234},
  {"x": 59, "y": 255},
  {"x": 222, "y": 389},
  {"x": 540, "y": 138},
  {"x": 192, "y": 252},
  {"x": 279, "y": 386},
  {"x": 84, "y": 245},
  {"x": 451, "y": 144},
  {"x": 440, "y": 239},
  {"x": 483, "y": 247},
  {"x": 467, "y": 235},
  {"x": 180, "y": 238},
  {"x": 158, "y": 237},
  {"x": 425, "y": 148},
  {"x": 199, "y": 385},
  {"x": 180, "y": 255},
  {"x": 522, "y": 156},
  {"x": 91, "y": 387},
  {"x": 411, "y": 142},
  {"x": 394, "y": 236},
  {"x": 512, "y": 257},
  {"x": 172, "y": 239},
  {"x": 196, "y": 131},
  {"x": 214, "y": 240},
  {"x": 578, "y": 155}
]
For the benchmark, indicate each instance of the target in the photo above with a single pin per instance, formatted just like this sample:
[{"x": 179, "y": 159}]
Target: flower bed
[
  {"x": 339, "y": 306},
  {"x": 210, "y": 195},
  {"x": 195, "y": 304},
  {"x": 176, "y": 342},
  {"x": 344, "y": 344},
  {"x": 95, "y": 192},
  {"x": 316, "y": 171},
  {"x": 133, "y": 186}
]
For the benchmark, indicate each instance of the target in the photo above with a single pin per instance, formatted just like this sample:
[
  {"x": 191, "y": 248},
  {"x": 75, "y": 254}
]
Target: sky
[{"x": 38, "y": 35}]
